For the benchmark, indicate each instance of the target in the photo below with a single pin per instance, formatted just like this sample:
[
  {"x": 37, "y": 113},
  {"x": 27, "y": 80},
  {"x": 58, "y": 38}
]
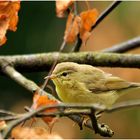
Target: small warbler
[{"x": 80, "y": 83}]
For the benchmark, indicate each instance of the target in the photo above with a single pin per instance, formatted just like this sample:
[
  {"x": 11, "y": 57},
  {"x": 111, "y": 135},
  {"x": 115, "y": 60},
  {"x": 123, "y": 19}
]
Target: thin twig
[
  {"x": 75, "y": 8},
  {"x": 62, "y": 46},
  {"x": 6, "y": 113},
  {"x": 10, "y": 118},
  {"x": 125, "y": 46},
  {"x": 78, "y": 44},
  {"x": 23, "y": 81},
  {"x": 105, "y": 13},
  {"x": 28, "y": 115},
  {"x": 16, "y": 122},
  {"x": 87, "y": 4},
  {"x": 101, "y": 128}
]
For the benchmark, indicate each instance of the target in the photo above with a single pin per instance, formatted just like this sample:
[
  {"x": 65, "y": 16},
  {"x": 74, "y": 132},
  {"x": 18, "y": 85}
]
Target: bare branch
[
  {"x": 105, "y": 13},
  {"x": 6, "y": 113},
  {"x": 21, "y": 80},
  {"x": 77, "y": 118},
  {"x": 102, "y": 129},
  {"x": 125, "y": 46},
  {"x": 43, "y": 62}
]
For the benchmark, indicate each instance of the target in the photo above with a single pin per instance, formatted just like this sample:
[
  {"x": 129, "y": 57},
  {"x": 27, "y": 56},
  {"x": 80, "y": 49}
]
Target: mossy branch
[{"x": 43, "y": 61}]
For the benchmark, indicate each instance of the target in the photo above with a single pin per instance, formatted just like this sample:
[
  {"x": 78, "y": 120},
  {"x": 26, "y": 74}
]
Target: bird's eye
[{"x": 64, "y": 74}]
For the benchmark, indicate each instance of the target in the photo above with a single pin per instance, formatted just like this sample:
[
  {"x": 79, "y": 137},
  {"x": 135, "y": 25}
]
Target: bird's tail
[{"x": 133, "y": 89}]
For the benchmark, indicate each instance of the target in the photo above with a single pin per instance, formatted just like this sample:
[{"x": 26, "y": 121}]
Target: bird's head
[{"x": 65, "y": 74}]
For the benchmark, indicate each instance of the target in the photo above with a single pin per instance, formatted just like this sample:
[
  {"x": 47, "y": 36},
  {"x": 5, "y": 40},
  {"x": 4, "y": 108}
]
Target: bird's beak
[{"x": 53, "y": 76}]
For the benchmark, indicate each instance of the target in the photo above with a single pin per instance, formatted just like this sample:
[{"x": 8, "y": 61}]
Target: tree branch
[
  {"x": 102, "y": 129},
  {"x": 29, "y": 85},
  {"x": 106, "y": 12},
  {"x": 43, "y": 62},
  {"x": 125, "y": 46},
  {"x": 6, "y": 113}
]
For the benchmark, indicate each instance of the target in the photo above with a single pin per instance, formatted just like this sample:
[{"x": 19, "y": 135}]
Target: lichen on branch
[{"x": 43, "y": 61}]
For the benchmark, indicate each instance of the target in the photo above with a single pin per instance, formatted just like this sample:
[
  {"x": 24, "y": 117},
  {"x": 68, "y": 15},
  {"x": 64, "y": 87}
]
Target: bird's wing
[
  {"x": 109, "y": 83},
  {"x": 113, "y": 83}
]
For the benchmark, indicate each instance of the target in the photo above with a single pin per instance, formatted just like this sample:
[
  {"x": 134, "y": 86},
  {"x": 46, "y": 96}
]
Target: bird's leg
[
  {"x": 94, "y": 121},
  {"x": 87, "y": 118}
]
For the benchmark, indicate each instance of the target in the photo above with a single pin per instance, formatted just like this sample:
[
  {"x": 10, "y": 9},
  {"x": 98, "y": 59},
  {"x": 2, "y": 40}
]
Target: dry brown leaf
[
  {"x": 72, "y": 28},
  {"x": 44, "y": 100},
  {"x": 8, "y": 18},
  {"x": 62, "y": 6},
  {"x": 33, "y": 133},
  {"x": 88, "y": 19},
  {"x": 80, "y": 25},
  {"x": 4, "y": 20}
]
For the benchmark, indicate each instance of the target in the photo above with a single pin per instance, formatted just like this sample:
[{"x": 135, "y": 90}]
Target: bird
[{"x": 86, "y": 84}]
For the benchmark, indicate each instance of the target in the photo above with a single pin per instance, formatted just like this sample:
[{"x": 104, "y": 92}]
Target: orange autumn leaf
[
  {"x": 62, "y": 6},
  {"x": 72, "y": 28},
  {"x": 3, "y": 28},
  {"x": 8, "y": 18},
  {"x": 44, "y": 100},
  {"x": 88, "y": 19},
  {"x": 80, "y": 25}
]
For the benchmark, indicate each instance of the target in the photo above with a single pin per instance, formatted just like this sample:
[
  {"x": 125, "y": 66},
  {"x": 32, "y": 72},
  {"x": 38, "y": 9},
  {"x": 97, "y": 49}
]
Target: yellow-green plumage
[{"x": 78, "y": 83}]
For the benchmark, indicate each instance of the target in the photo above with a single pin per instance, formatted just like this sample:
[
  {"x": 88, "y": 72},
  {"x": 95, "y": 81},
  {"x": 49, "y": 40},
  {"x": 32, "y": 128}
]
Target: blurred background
[{"x": 39, "y": 30}]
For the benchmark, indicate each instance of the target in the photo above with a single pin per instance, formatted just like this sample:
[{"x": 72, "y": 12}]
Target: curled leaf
[
  {"x": 72, "y": 28},
  {"x": 88, "y": 19},
  {"x": 80, "y": 25},
  {"x": 44, "y": 100},
  {"x": 3, "y": 28},
  {"x": 62, "y": 6},
  {"x": 8, "y": 18}
]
